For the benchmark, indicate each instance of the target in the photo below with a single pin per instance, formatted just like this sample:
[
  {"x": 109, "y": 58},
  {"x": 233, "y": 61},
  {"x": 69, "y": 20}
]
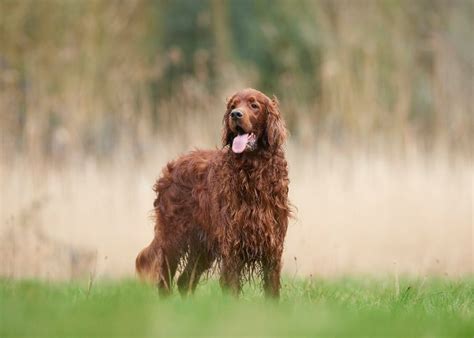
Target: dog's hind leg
[
  {"x": 231, "y": 270},
  {"x": 199, "y": 260},
  {"x": 168, "y": 264}
]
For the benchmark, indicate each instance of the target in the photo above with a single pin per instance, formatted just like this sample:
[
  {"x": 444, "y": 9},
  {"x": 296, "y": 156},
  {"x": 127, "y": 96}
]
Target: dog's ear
[
  {"x": 226, "y": 132},
  {"x": 275, "y": 129}
]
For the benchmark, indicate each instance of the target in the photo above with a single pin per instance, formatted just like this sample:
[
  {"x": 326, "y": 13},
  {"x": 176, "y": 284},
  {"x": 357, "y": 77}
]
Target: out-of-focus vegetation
[
  {"x": 90, "y": 77},
  {"x": 308, "y": 308}
]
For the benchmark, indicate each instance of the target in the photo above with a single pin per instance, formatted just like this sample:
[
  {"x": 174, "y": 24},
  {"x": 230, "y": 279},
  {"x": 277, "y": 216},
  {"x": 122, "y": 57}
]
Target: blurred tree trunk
[{"x": 220, "y": 20}]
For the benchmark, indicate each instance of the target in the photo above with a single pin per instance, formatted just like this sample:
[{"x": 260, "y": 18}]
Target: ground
[{"x": 360, "y": 307}]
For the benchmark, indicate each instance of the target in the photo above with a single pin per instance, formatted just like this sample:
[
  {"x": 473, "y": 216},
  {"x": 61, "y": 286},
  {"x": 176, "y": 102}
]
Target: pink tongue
[{"x": 239, "y": 143}]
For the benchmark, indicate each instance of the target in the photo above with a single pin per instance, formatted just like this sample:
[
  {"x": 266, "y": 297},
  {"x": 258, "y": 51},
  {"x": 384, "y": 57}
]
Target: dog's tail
[{"x": 149, "y": 262}]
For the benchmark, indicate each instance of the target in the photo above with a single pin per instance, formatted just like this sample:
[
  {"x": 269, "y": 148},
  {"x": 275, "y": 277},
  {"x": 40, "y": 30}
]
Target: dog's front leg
[
  {"x": 231, "y": 269},
  {"x": 271, "y": 277}
]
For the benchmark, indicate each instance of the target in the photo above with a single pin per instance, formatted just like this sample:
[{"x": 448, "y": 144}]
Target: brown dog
[{"x": 228, "y": 206}]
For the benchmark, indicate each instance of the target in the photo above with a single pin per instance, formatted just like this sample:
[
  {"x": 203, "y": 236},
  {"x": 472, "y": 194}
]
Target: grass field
[{"x": 308, "y": 308}]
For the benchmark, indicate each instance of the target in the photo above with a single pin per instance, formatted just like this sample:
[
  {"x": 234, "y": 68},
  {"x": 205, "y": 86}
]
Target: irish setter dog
[{"x": 227, "y": 206}]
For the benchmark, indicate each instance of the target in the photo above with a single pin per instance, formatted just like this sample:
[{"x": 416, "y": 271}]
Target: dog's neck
[
  {"x": 253, "y": 175},
  {"x": 255, "y": 158}
]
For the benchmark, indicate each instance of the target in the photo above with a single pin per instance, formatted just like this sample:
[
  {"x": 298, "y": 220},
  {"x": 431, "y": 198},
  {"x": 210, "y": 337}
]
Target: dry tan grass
[
  {"x": 374, "y": 214},
  {"x": 357, "y": 213}
]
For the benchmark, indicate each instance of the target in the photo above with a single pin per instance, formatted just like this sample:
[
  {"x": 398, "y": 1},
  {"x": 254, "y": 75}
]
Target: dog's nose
[{"x": 236, "y": 114}]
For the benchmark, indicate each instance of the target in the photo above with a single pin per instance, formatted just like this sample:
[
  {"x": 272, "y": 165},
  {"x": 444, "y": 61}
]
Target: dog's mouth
[{"x": 243, "y": 141}]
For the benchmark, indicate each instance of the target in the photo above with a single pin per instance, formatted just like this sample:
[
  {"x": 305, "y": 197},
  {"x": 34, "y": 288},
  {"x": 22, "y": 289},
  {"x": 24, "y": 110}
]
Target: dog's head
[{"x": 253, "y": 121}]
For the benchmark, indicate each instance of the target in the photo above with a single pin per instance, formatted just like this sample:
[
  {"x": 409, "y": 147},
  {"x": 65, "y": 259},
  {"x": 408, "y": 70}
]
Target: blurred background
[{"x": 96, "y": 96}]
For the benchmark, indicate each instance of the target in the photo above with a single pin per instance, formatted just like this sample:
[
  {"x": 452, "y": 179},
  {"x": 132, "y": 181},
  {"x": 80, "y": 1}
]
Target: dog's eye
[
  {"x": 254, "y": 106},
  {"x": 232, "y": 106}
]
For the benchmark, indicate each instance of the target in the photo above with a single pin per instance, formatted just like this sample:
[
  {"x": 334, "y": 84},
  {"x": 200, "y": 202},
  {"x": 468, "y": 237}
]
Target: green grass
[{"x": 325, "y": 308}]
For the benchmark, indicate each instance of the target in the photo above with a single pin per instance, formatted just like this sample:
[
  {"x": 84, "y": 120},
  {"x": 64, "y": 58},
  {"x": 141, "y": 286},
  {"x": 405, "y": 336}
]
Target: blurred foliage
[{"x": 91, "y": 75}]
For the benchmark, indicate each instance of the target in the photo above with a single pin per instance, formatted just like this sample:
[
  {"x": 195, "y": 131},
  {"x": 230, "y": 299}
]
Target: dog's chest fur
[{"x": 254, "y": 209}]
